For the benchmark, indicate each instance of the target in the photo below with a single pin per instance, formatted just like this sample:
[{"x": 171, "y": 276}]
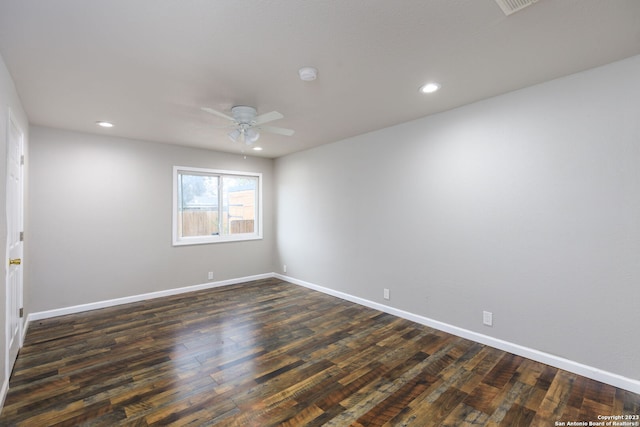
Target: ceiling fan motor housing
[{"x": 244, "y": 115}]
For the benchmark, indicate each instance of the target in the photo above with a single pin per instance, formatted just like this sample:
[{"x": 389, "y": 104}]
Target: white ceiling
[{"x": 149, "y": 65}]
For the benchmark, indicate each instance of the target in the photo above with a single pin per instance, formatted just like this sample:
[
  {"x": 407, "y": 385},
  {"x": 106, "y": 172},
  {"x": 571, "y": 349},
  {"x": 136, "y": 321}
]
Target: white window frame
[{"x": 221, "y": 238}]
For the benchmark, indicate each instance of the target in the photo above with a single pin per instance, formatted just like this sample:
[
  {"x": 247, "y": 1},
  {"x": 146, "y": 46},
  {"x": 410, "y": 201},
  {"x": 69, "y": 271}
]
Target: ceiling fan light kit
[
  {"x": 251, "y": 136},
  {"x": 234, "y": 134}
]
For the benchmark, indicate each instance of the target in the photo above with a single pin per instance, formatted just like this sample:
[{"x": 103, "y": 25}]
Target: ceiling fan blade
[
  {"x": 279, "y": 131},
  {"x": 268, "y": 117},
  {"x": 216, "y": 113}
]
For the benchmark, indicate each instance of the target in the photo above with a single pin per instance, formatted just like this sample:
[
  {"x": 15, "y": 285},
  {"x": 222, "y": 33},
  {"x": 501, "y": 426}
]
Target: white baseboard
[
  {"x": 539, "y": 356},
  {"x": 3, "y": 391},
  {"x": 142, "y": 297}
]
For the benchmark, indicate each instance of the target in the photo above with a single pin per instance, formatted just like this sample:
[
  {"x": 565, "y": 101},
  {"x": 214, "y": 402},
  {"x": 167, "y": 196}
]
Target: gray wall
[
  {"x": 101, "y": 217},
  {"x": 9, "y": 101},
  {"x": 526, "y": 205}
]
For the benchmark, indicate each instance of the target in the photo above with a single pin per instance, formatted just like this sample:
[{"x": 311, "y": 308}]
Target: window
[{"x": 211, "y": 206}]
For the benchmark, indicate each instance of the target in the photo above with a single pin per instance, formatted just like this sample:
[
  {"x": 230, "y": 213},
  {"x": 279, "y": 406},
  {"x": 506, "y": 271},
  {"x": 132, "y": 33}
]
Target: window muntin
[{"x": 216, "y": 206}]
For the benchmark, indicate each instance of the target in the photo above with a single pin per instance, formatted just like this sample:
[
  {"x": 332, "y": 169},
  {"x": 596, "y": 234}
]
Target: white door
[{"x": 15, "y": 189}]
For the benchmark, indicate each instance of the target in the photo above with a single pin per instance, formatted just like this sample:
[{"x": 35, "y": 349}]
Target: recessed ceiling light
[
  {"x": 104, "y": 124},
  {"x": 257, "y": 148},
  {"x": 430, "y": 87}
]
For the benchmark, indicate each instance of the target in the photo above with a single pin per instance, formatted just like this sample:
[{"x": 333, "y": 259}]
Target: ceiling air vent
[{"x": 512, "y": 6}]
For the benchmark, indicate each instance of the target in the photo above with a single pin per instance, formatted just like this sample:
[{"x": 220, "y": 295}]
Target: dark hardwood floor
[{"x": 271, "y": 353}]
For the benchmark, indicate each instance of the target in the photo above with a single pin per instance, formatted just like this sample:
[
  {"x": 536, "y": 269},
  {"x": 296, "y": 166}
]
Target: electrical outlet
[
  {"x": 487, "y": 318},
  {"x": 210, "y": 276},
  {"x": 386, "y": 293},
  {"x": 284, "y": 268}
]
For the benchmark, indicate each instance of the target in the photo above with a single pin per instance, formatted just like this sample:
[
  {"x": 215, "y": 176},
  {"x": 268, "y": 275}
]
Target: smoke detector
[
  {"x": 308, "y": 74},
  {"x": 512, "y": 6}
]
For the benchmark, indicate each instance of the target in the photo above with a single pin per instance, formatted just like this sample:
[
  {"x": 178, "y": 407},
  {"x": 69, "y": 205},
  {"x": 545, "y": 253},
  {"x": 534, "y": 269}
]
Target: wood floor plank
[{"x": 270, "y": 353}]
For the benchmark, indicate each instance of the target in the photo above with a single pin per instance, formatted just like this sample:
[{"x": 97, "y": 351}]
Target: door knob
[{"x": 16, "y": 261}]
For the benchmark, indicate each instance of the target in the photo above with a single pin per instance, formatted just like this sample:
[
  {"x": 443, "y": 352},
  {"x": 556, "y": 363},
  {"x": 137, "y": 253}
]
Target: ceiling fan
[{"x": 247, "y": 124}]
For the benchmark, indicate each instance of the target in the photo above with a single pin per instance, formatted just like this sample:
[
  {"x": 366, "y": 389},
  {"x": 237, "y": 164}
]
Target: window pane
[
  {"x": 239, "y": 195},
  {"x": 198, "y": 205}
]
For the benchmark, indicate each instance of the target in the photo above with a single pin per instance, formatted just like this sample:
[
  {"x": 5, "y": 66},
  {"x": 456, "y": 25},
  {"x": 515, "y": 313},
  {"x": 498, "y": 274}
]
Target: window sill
[{"x": 188, "y": 241}]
